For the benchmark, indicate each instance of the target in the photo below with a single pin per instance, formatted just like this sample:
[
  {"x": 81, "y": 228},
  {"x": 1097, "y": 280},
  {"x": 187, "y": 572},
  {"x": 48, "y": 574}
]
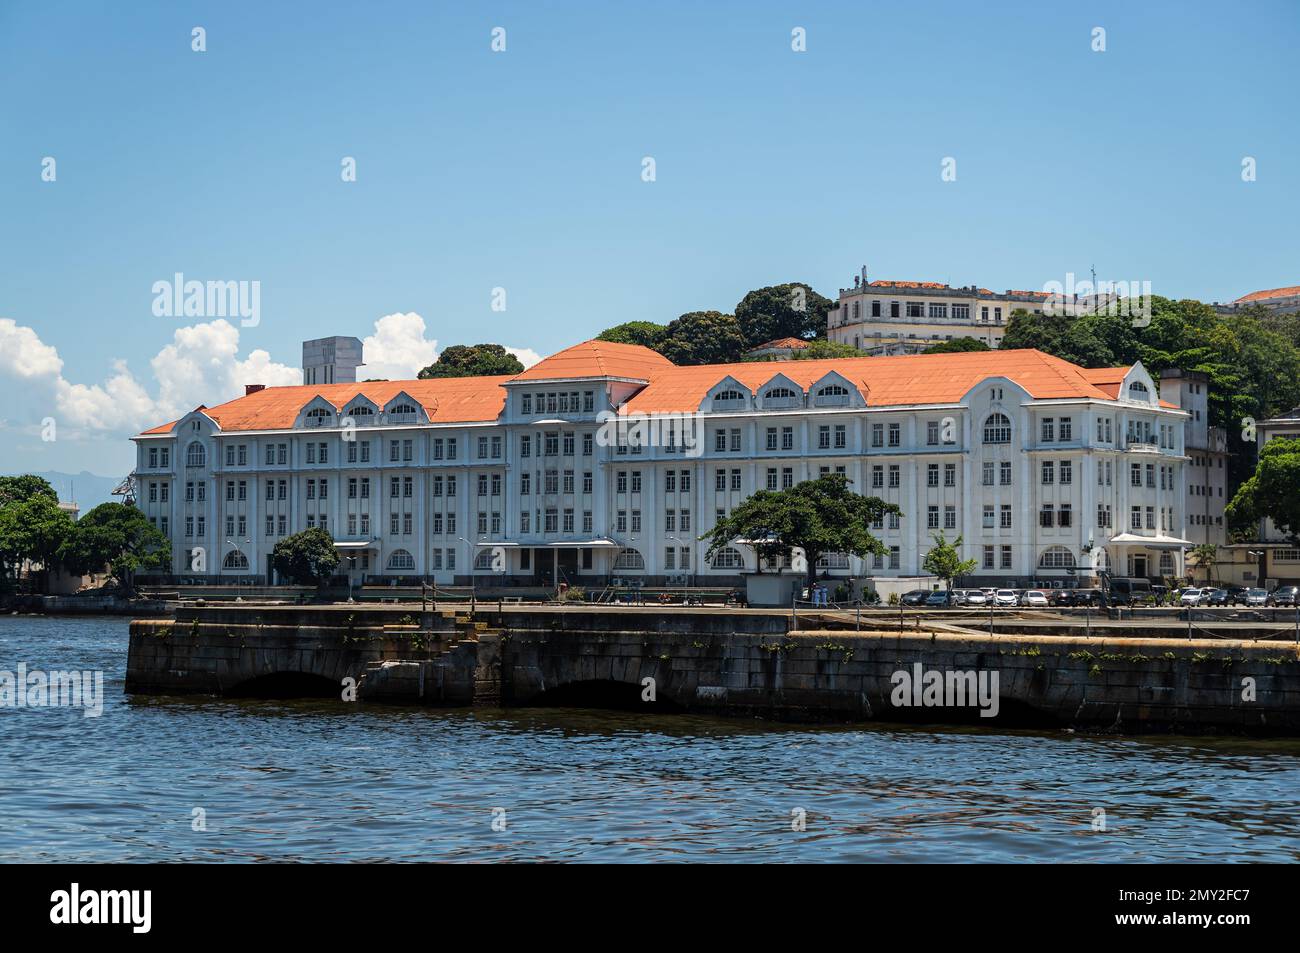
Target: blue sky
[{"x": 522, "y": 169}]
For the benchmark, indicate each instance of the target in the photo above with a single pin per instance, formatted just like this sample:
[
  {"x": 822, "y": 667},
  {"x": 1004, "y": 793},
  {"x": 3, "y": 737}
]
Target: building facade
[
  {"x": 905, "y": 317},
  {"x": 1206, "y": 448},
  {"x": 605, "y": 461}
]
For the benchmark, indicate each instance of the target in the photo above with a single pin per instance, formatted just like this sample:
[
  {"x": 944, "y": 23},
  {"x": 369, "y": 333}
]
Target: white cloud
[
  {"x": 200, "y": 366},
  {"x": 23, "y": 355},
  {"x": 527, "y": 356},
  {"x": 398, "y": 350}
]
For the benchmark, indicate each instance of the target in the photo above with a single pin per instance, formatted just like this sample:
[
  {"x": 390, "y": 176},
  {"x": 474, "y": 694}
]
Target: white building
[
  {"x": 1049, "y": 472},
  {"x": 905, "y": 317}
]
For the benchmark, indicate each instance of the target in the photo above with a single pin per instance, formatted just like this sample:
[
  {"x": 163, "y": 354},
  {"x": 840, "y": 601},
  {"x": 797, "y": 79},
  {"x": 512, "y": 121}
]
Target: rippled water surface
[{"x": 323, "y": 781}]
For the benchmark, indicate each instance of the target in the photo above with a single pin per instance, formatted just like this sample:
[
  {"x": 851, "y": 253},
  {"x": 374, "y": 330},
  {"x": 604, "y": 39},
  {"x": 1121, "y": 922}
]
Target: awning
[
  {"x": 1151, "y": 542},
  {"x": 599, "y": 543},
  {"x": 360, "y": 544}
]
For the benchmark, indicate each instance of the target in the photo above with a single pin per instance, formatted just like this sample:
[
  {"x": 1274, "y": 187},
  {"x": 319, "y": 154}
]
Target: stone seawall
[{"x": 706, "y": 661}]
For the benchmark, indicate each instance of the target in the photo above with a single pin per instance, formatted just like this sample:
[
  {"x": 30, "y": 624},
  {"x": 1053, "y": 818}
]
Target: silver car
[
  {"x": 975, "y": 597},
  {"x": 1006, "y": 597},
  {"x": 1256, "y": 597},
  {"x": 1190, "y": 597}
]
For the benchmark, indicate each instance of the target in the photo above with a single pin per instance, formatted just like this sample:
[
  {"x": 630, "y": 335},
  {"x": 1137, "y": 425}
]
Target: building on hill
[
  {"x": 1282, "y": 300},
  {"x": 782, "y": 349},
  {"x": 906, "y": 317},
  {"x": 1050, "y": 473}
]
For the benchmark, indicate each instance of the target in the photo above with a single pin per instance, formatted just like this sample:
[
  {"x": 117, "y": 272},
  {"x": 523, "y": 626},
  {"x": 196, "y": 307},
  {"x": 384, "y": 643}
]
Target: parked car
[
  {"x": 1035, "y": 598},
  {"x": 1256, "y": 597},
  {"x": 1089, "y": 597},
  {"x": 1237, "y": 595},
  {"x": 915, "y": 597},
  {"x": 941, "y": 598},
  {"x": 1128, "y": 591},
  {"x": 1191, "y": 597},
  {"x": 1217, "y": 597},
  {"x": 1284, "y": 596},
  {"x": 975, "y": 597},
  {"x": 1006, "y": 597}
]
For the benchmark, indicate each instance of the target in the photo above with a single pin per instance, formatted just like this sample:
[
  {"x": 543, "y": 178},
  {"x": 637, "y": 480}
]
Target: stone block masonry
[{"x": 706, "y": 661}]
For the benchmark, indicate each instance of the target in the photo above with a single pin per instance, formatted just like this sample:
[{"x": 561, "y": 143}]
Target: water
[{"x": 322, "y": 781}]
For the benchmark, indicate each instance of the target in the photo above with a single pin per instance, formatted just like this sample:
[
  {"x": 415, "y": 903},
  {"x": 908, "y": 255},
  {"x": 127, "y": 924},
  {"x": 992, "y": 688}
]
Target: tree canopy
[
  {"x": 817, "y": 516},
  {"x": 956, "y": 346},
  {"x": 702, "y": 337},
  {"x": 33, "y": 529},
  {"x": 1273, "y": 492},
  {"x": 645, "y": 333},
  {"x": 790, "y": 310},
  {"x": 945, "y": 561},
  {"x": 473, "y": 360},
  {"x": 16, "y": 489},
  {"x": 307, "y": 558},
  {"x": 118, "y": 538}
]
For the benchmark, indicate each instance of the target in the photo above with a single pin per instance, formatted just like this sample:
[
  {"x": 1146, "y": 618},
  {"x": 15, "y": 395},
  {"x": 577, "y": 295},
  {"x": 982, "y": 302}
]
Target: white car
[
  {"x": 1190, "y": 597},
  {"x": 1006, "y": 597},
  {"x": 1035, "y": 598},
  {"x": 975, "y": 597}
]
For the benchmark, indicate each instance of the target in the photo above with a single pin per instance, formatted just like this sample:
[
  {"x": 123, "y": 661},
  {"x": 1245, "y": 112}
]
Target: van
[{"x": 1125, "y": 591}]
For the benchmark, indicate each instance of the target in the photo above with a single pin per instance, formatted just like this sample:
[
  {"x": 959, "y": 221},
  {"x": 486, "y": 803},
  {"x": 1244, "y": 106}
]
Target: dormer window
[
  {"x": 1139, "y": 391},
  {"x": 728, "y": 400},
  {"x": 403, "y": 410},
  {"x": 832, "y": 395},
  {"x": 318, "y": 417},
  {"x": 782, "y": 397},
  {"x": 360, "y": 410}
]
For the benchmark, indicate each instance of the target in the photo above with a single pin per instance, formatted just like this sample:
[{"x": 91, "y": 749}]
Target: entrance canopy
[
  {"x": 599, "y": 543},
  {"x": 1150, "y": 542},
  {"x": 349, "y": 544}
]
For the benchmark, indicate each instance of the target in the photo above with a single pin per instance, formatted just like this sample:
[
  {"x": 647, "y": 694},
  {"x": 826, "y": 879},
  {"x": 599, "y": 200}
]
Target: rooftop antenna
[{"x": 1094, "y": 289}]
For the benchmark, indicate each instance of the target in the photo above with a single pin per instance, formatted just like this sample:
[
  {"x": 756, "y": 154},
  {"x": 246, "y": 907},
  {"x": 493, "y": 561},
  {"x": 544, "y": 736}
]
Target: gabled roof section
[
  {"x": 883, "y": 381},
  {"x": 444, "y": 399},
  {"x": 598, "y": 359}
]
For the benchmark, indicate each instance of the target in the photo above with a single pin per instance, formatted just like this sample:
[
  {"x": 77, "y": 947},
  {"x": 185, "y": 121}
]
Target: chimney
[{"x": 253, "y": 388}]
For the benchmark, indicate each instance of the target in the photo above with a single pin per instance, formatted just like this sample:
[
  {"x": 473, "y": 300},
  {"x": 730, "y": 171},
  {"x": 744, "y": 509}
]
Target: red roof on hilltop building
[{"x": 1290, "y": 292}]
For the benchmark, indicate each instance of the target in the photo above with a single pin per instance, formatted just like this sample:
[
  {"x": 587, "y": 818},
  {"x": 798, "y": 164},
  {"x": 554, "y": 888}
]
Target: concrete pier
[{"x": 739, "y": 662}]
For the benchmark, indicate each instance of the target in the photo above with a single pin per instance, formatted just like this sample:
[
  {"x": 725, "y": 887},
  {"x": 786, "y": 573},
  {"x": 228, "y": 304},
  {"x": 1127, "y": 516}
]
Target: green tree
[
  {"x": 1204, "y": 556},
  {"x": 306, "y": 558},
  {"x": 645, "y": 333},
  {"x": 945, "y": 561},
  {"x": 791, "y": 310},
  {"x": 118, "y": 538},
  {"x": 817, "y": 516},
  {"x": 957, "y": 346},
  {"x": 33, "y": 530},
  {"x": 1273, "y": 492},
  {"x": 473, "y": 360},
  {"x": 16, "y": 489},
  {"x": 821, "y": 350},
  {"x": 703, "y": 337}
]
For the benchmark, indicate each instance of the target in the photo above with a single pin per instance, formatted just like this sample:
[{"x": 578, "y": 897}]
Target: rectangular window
[
  {"x": 932, "y": 474},
  {"x": 1004, "y": 473},
  {"x": 1005, "y": 514},
  {"x": 1006, "y": 557},
  {"x": 950, "y": 474}
]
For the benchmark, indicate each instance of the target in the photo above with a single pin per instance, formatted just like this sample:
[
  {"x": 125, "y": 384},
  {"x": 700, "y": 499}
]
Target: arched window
[
  {"x": 403, "y": 410},
  {"x": 730, "y": 398},
  {"x": 318, "y": 416},
  {"x": 359, "y": 410},
  {"x": 1139, "y": 391},
  {"x": 401, "y": 561},
  {"x": 779, "y": 393},
  {"x": 1056, "y": 557},
  {"x": 629, "y": 559},
  {"x": 195, "y": 455},
  {"x": 997, "y": 429},
  {"x": 832, "y": 395},
  {"x": 728, "y": 558},
  {"x": 484, "y": 559},
  {"x": 235, "y": 560}
]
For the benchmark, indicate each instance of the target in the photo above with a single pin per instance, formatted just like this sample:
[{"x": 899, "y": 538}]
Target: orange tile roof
[
  {"x": 1271, "y": 293},
  {"x": 444, "y": 399},
  {"x": 884, "y": 381},
  {"x": 794, "y": 343},
  {"x": 598, "y": 359}
]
